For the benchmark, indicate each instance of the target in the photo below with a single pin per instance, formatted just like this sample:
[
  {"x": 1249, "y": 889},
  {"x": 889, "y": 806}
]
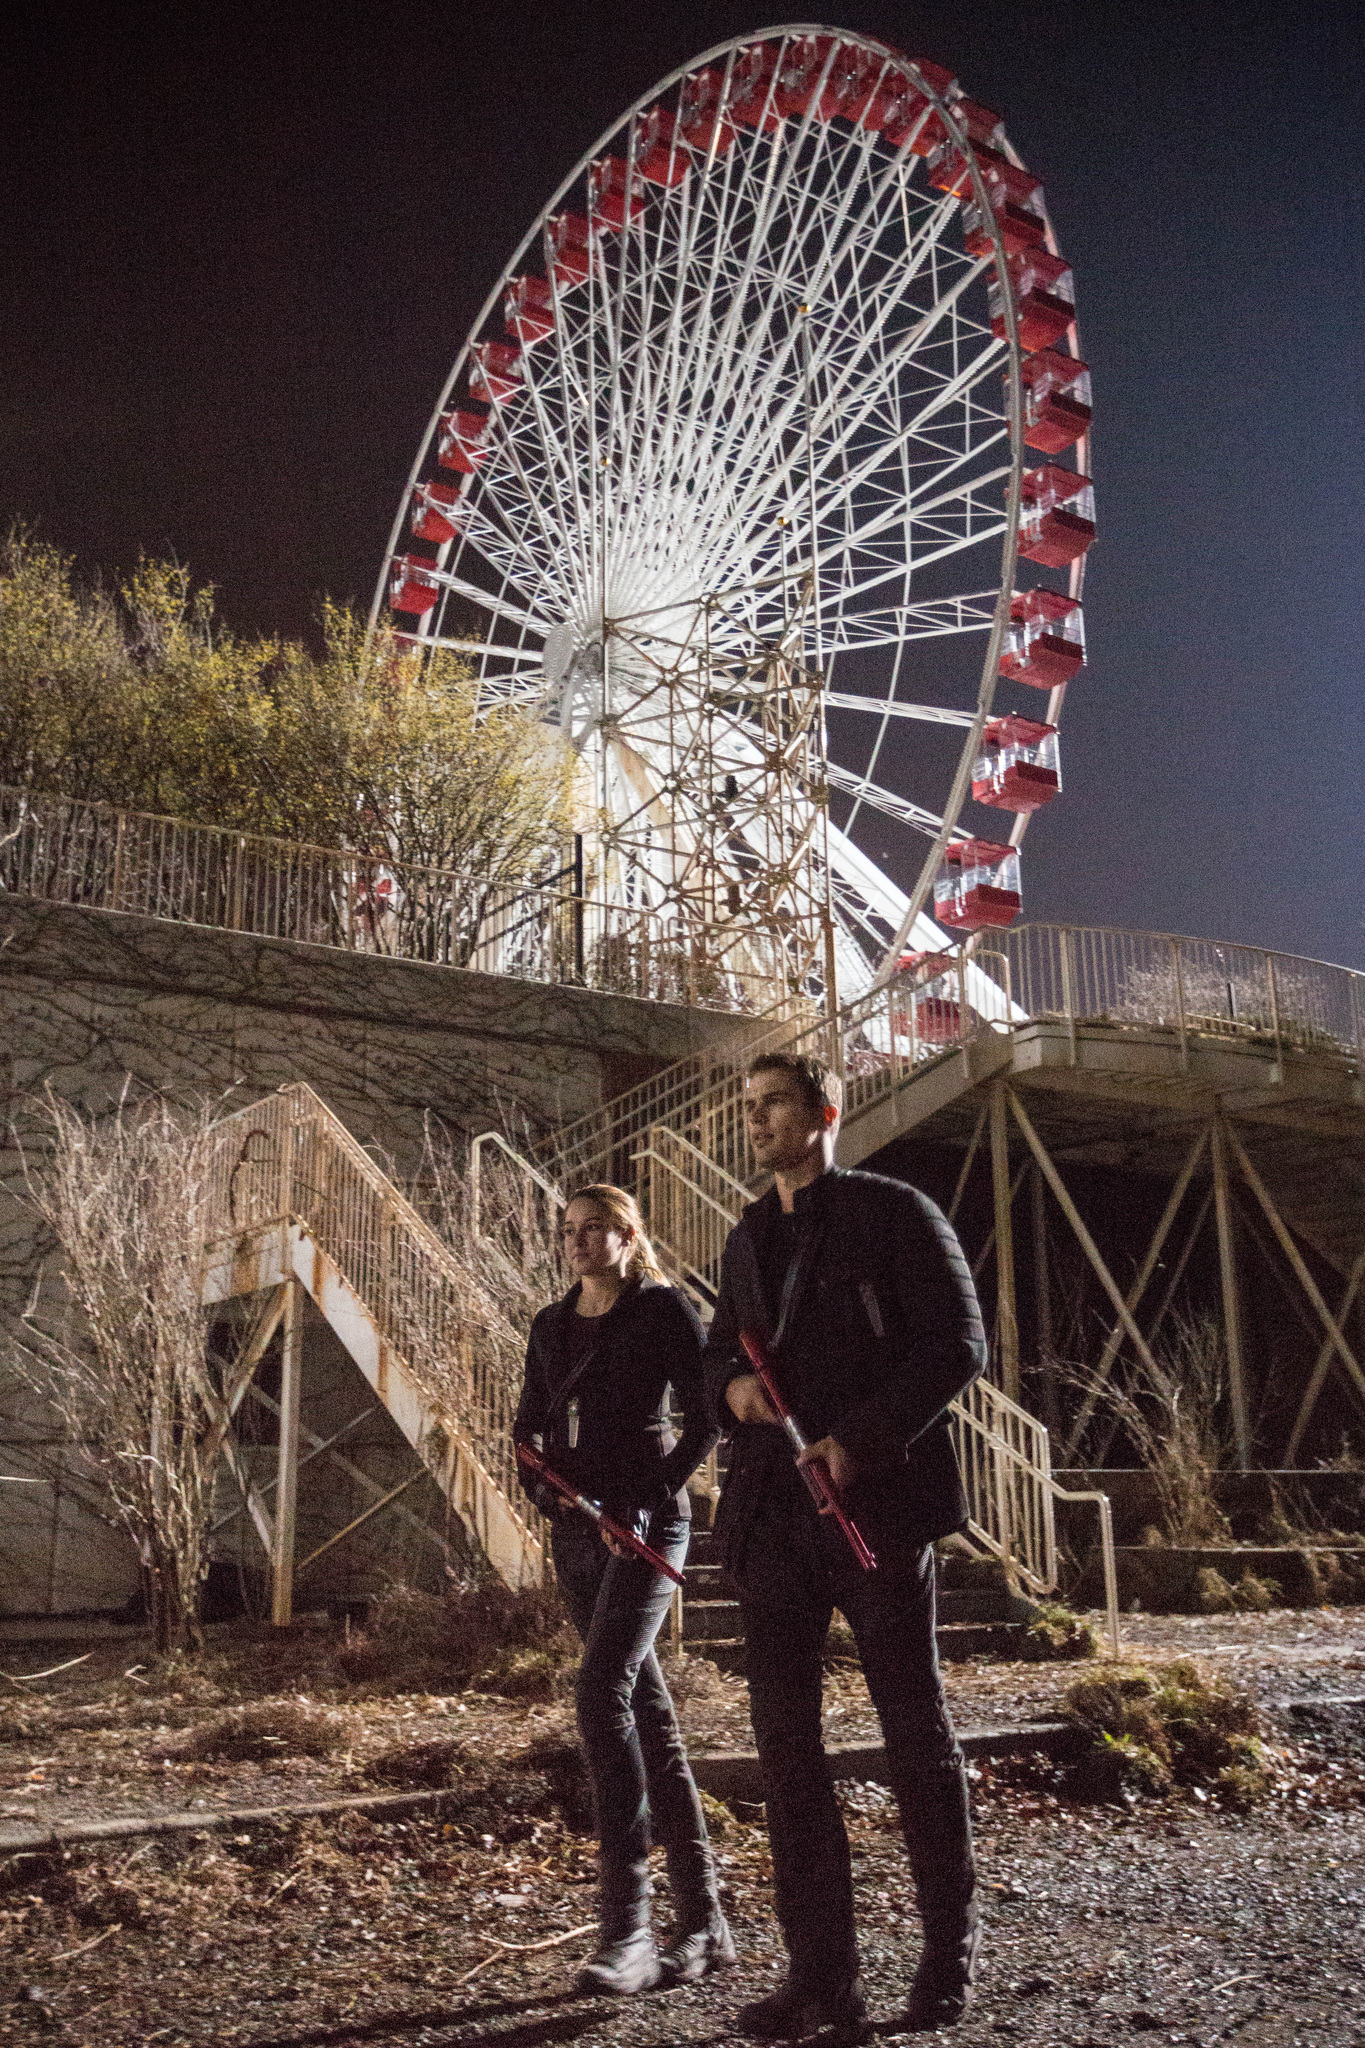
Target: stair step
[
  {"x": 705, "y": 1581},
  {"x": 704, "y": 1620},
  {"x": 958, "y": 1642},
  {"x": 986, "y": 1604}
]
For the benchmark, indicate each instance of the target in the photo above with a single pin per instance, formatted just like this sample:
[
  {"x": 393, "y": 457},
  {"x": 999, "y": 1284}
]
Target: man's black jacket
[
  {"x": 626, "y": 1456},
  {"x": 881, "y": 1331}
]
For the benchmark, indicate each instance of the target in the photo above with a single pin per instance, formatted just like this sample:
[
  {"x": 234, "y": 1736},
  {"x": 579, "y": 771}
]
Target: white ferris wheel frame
[{"x": 898, "y": 913}]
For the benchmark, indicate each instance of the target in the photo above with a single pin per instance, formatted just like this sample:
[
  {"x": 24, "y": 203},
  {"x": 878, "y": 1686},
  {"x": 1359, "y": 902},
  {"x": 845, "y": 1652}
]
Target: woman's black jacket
[
  {"x": 881, "y": 1332},
  {"x": 626, "y": 1456}
]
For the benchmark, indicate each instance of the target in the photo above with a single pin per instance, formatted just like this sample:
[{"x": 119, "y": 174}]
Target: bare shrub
[
  {"x": 483, "y": 1637},
  {"x": 127, "y": 1198},
  {"x": 1174, "y": 1415}
]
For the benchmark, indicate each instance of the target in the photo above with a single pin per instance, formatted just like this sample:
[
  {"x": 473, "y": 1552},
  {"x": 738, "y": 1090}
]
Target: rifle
[
  {"x": 819, "y": 1482},
  {"x": 605, "y": 1522}
]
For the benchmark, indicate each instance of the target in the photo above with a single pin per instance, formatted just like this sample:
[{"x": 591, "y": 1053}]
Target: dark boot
[
  {"x": 690, "y": 1956},
  {"x": 943, "y": 1982},
  {"x": 622, "y": 1967},
  {"x": 936, "y": 1821},
  {"x": 792, "y": 2013}
]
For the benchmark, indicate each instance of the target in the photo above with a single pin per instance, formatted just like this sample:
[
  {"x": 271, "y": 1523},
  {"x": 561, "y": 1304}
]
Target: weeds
[
  {"x": 482, "y": 1637},
  {"x": 1213, "y": 1594},
  {"x": 1056, "y": 1634},
  {"x": 1156, "y": 1731}
]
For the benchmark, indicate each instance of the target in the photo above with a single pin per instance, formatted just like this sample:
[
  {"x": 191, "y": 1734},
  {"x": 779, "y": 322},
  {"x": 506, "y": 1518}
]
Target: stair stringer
[{"x": 267, "y": 1255}]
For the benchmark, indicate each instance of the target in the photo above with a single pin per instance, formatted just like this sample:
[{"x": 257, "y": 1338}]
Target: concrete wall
[{"x": 89, "y": 998}]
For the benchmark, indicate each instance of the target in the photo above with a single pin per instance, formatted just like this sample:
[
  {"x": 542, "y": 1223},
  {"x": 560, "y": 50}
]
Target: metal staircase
[{"x": 301, "y": 1209}]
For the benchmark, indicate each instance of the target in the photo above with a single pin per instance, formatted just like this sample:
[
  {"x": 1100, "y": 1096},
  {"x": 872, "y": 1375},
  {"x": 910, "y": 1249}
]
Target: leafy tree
[{"x": 144, "y": 699}]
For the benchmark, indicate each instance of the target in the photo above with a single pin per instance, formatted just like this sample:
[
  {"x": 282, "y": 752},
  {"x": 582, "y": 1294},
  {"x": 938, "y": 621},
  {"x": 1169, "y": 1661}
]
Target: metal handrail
[{"x": 98, "y": 857}]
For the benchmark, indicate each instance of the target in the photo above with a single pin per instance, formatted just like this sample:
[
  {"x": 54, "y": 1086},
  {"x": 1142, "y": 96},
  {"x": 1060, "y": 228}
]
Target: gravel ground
[{"x": 1173, "y": 1919}]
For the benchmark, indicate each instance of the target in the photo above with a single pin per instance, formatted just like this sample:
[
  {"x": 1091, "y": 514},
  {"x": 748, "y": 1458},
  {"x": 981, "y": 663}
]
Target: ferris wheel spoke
[
  {"x": 884, "y": 707},
  {"x": 785, "y": 364},
  {"x": 885, "y": 800},
  {"x": 857, "y": 421}
]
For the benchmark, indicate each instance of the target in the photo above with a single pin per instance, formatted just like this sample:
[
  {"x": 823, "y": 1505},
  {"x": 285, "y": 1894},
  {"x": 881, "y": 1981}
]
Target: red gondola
[
  {"x": 496, "y": 376},
  {"x": 528, "y": 308},
  {"x": 614, "y": 195},
  {"x": 659, "y": 154},
  {"x": 412, "y": 587},
  {"x": 1059, "y": 516},
  {"x": 1018, "y": 768},
  {"x": 462, "y": 441},
  {"x": 1045, "y": 642},
  {"x": 569, "y": 239},
  {"x": 1044, "y": 295},
  {"x": 1057, "y": 409},
  {"x": 977, "y": 885},
  {"x": 436, "y": 512}
]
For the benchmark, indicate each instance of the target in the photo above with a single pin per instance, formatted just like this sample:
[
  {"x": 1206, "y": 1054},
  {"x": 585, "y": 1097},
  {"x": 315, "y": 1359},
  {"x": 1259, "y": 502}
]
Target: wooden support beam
[
  {"x": 1135, "y": 1293},
  {"x": 1085, "y": 1240},
  {"x": 1232, "y": 1310},
  {"x": 969, "y": 1162},
  {"x": 363, "y": 1516},
  {"x": 1195, "y": 1232},
  {"x": 327, "y": 1447},
  {"x": 244, "y": 1369},
  {"x": 1042, "y": 1297},
  {"x": 287, "y": 1486},
  {"x": 255, "y": 1505},
  {"x": 979, "y": 1262},
  {"x": 1325, "y": 1357},
  {"x": 1296, "y": 1260},
  {"x": 1008, "y": 1314}
]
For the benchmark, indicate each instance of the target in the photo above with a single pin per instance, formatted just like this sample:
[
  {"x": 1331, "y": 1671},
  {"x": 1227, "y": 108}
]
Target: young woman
[{"x": 598, "y": 1367}]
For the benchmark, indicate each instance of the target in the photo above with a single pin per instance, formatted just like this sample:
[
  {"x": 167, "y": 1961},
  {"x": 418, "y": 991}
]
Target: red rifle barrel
[
  {"x": 817, "y": 1475},
  {"x": 604, "y": 1521}
]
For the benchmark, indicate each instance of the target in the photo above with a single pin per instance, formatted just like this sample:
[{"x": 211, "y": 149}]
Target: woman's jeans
[{"x": 642, "y": 1787}]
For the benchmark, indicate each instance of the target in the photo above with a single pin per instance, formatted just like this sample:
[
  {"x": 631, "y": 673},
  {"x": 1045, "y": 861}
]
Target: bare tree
[{"x": 124, "y": 1361}]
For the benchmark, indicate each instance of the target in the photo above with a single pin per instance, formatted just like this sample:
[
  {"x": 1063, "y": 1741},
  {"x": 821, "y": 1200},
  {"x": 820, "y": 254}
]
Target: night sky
[{"x": 241, "y": 251}]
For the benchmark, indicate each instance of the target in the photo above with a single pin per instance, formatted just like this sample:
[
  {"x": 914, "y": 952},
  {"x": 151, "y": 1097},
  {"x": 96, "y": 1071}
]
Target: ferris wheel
[{"x": 763, "y": 474}]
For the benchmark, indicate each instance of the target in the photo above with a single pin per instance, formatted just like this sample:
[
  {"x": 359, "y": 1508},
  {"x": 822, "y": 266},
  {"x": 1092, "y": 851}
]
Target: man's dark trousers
[{"x": 794, "y": 1571}]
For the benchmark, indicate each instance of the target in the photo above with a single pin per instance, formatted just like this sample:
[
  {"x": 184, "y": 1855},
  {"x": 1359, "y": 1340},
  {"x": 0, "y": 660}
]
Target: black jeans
[
  {"x": 794, "y": 1571},
  {"x": 642, "y": 1786}
]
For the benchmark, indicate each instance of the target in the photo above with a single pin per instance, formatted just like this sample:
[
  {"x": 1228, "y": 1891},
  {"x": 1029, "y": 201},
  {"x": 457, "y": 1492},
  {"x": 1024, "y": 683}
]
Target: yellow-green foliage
[
  {"x": 145, "y": 699},
  {"x": 1178, "y": 1726}
]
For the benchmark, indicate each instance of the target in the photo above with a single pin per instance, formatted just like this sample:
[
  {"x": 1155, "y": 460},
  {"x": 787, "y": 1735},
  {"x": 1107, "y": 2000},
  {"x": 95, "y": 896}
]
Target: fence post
[
  {"x": 1068, "y": 996},
  {"x": 1275, "y": 1015},
  {"x": 1178, "y": 958}
]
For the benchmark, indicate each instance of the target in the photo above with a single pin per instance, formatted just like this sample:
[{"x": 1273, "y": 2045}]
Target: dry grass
[
  {"x": 263, "y": 1731},
  {"x": 1174, "y": 1415},
  {"x": 517, "y": 1644}
]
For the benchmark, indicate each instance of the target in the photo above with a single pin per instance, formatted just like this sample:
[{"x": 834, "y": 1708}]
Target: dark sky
[{"x": 241, "y": 250}]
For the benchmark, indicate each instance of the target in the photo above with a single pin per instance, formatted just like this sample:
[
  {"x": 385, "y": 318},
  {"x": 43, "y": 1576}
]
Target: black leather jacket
[
  {"x": 882, "y": 1331},
  {"x": 626, "y": 1455}
]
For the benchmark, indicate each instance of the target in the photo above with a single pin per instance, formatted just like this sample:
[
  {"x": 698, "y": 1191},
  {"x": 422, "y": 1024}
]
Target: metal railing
[
  {"x": 1192, "y": 988},
  {"x": 96, "y": 857},
  {"x": 1086, "y": 978},
  {"x": 288, "y": 1158}
]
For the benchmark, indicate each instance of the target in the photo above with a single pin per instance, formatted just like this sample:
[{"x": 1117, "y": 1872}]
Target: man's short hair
[{"x": 820, "y": 1086}]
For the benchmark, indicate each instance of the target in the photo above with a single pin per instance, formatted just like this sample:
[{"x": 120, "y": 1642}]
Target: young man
[{"x": 859, "y": 1288}]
